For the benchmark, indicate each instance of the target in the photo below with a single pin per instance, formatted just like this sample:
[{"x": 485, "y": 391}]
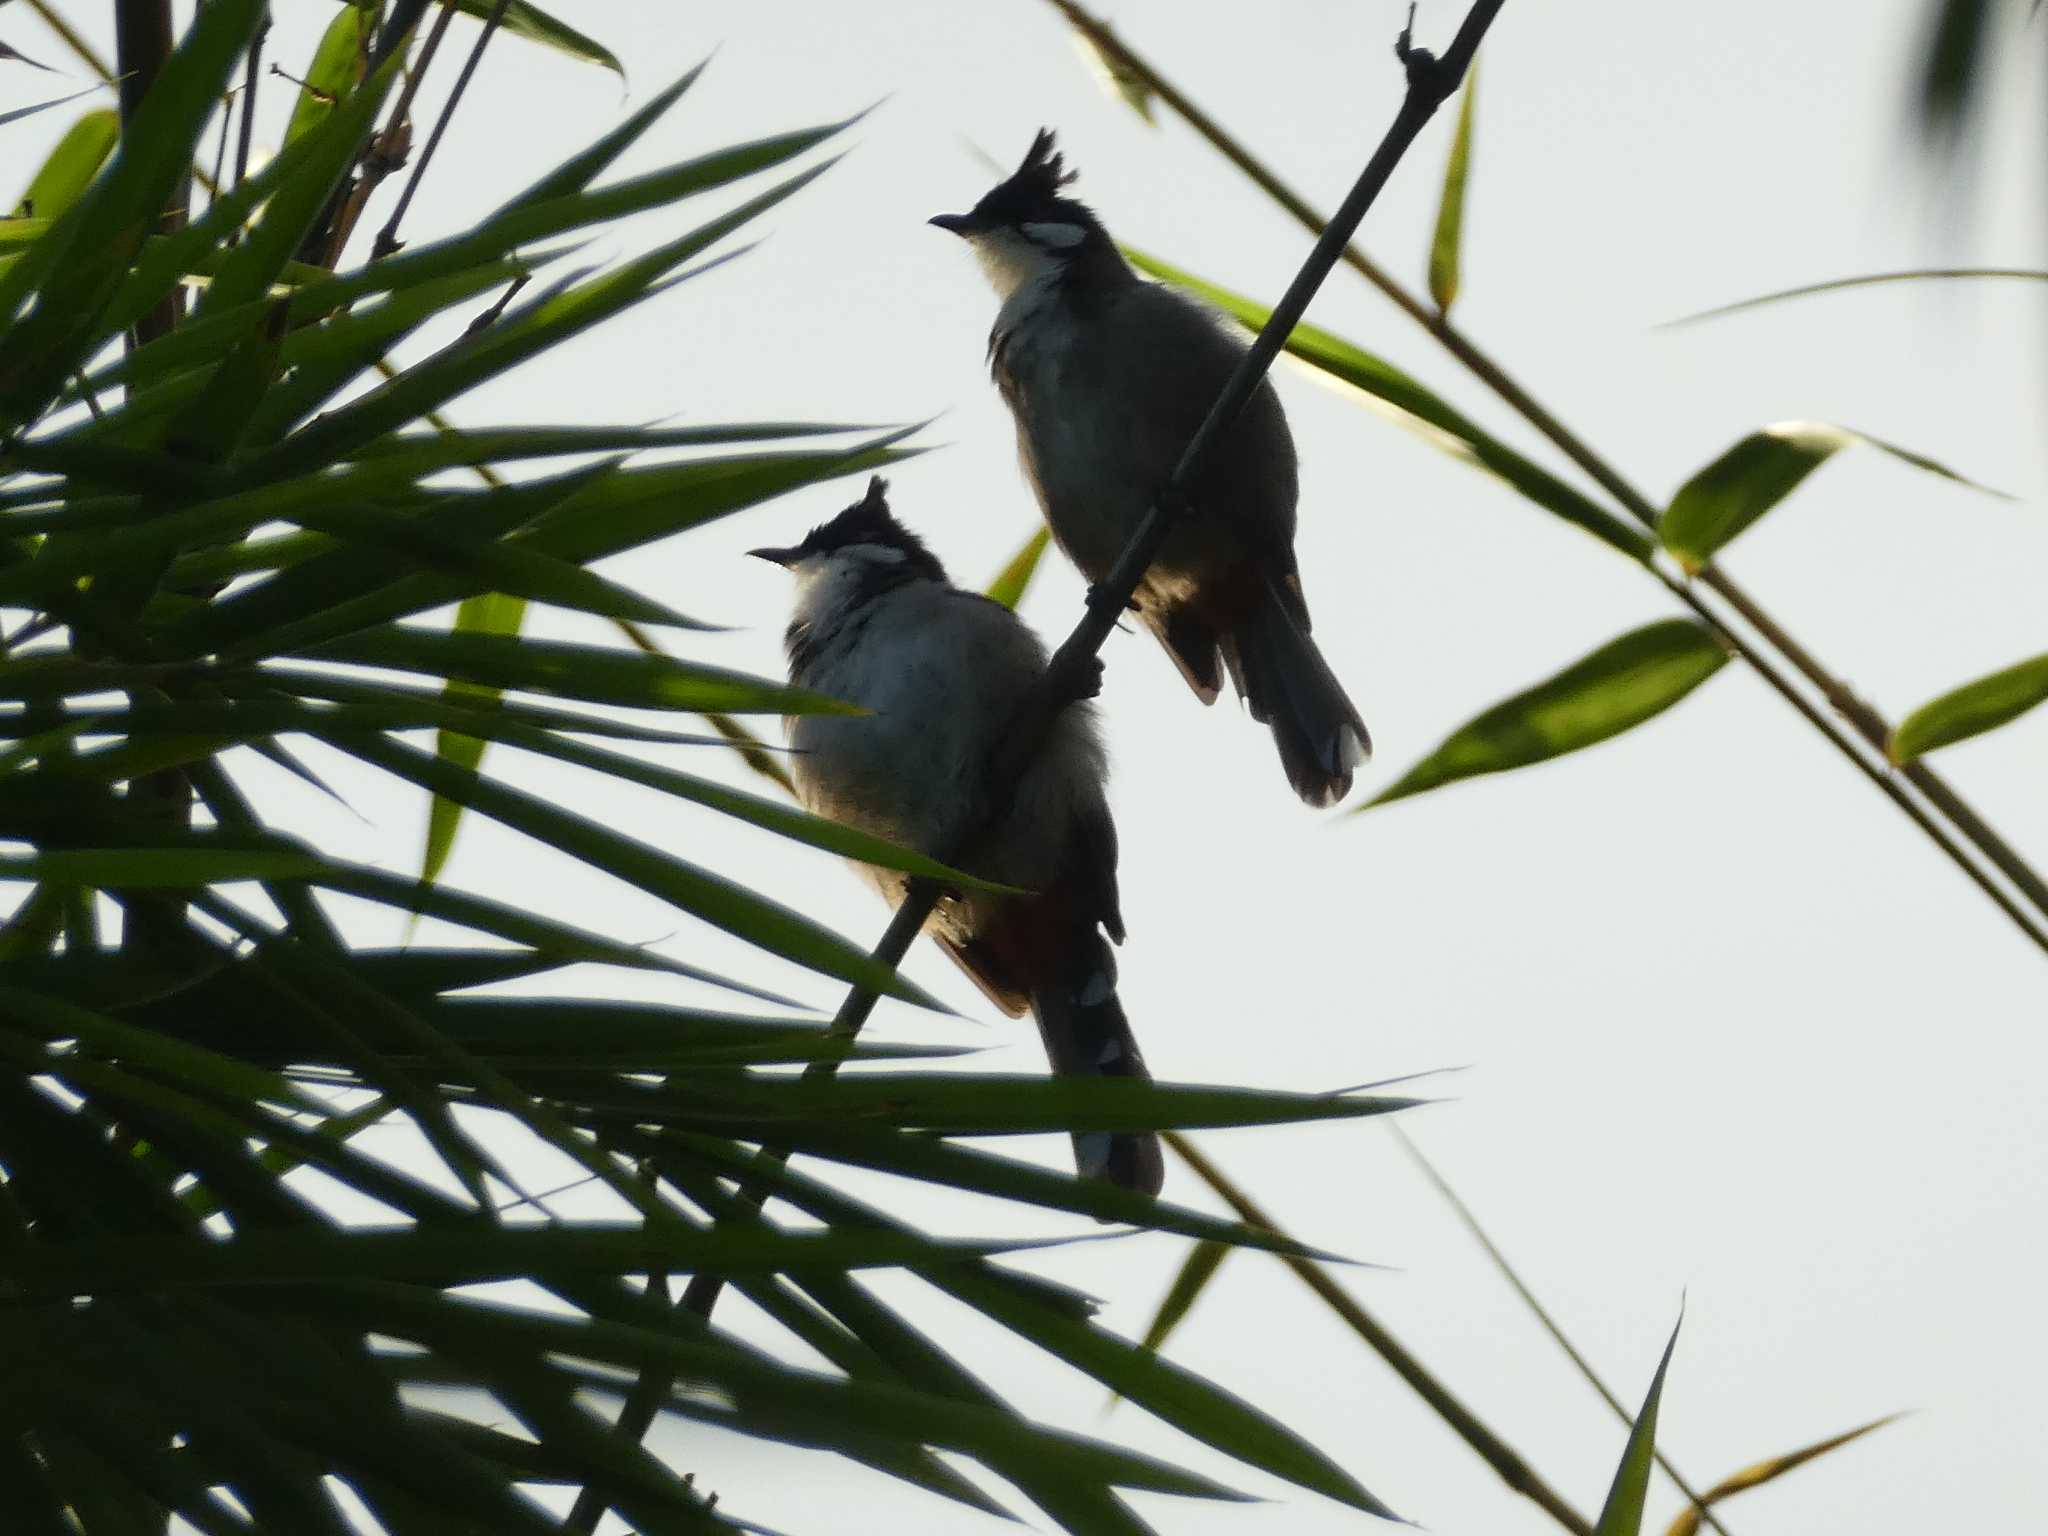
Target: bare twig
[
  {"x": 1863, "y": 722},
  {"x": 1699, "y": 1501},
  {"x": 252, "y": 69},
  {"x": 1494, "y": 1451},
  {"x": 390, "y": 147},
  {"x": 387, "y": 240}
]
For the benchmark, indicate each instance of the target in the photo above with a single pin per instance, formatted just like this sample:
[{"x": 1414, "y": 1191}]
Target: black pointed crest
[
  {"x": 1032, "y": 193},
  {"x": 869, "y": 521}
]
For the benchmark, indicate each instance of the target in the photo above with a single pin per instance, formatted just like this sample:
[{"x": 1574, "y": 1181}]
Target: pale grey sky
[{"x": 1731, "y": 1027}]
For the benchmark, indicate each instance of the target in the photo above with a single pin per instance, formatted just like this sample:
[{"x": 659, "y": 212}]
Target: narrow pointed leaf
[
  {"x": 583, "y": 167},
  {"x": 72, "y": 165},
  {"x": 718, "y": 901},
  {"x": 336, "y": 68},
  {"x": 1755, "y": 475},
  {"x": 1971, "y": 710},
  {"x": 1011, "y": 581},
  {"x": 1759, "y": 1473},
  {"x": 16, "y": 114},
  {"x": 1622, "y": 1513},
  {"x": 491, "y": 613},
  {"x": 529, "y": 21},
  {"x": 591, "y": 672},
  {"x": 1445, "y": 245},
  {"x": 1189, "y": 1281},
  {"x": 1412, "y": 405},
  {"x": 1619, "y": 686},
  {"x": 1867, "y": 280}
]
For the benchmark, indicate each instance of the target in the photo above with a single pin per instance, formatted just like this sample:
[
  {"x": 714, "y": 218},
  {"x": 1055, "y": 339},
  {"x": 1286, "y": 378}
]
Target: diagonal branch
[
  {"x": 1071, "y": 673},
  {"x": 1863, "y": 722}
]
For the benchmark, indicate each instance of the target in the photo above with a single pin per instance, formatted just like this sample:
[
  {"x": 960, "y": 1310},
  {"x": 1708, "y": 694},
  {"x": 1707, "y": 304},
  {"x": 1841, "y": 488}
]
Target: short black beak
[
  {"x": 953, "y": 223},
  {"x": 782, "y": 557}
]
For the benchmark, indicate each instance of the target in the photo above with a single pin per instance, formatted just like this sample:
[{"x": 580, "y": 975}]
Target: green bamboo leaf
[
  {"x": 769, "y": 1399},
  {"x": 522, "y": 334},
  {"x": 1755, "y": 475},
  {"x": 201, "y": 861},
  {"x": 18, "y": 113},
  {"x": 511, "y": 569},
  {"x": 1868, "y": 280},
  {"x": 1189, "y": 1281},
  {"x": 1622, "y": 1514},
  {"x": 999, "y": 1104},
  {"x": 722, "y": 903},
  {"x": 594, "y": 673},
  {"x": 1614, "y": 689},
  {"x": 1952, "y": 68},
  {"x": 1971, "y": 710},
  {"x": 336, "y": 69},
  {"x": 536, "y": 25},
  {"x": 466, "y": 1256},
  {"x": 71, "y": 166},
  {"x": 770, "y": 815},
  {"x": 422, "y": 453},
  {"x": 1176, "y": 1396},
  {"x": 583, "y": 167},
  {"x": 332, "y": 145},
  {"x": 178, "y": 1061},
  {"x": 1411, "y": 405},
  {"x": 520, "y": 225},
  {"x": 1759, "y": 1473},
  {"x": 94, "y": 243},
  {"x": 1450, "y": 213},
  {"x": 1012, "y": 580}
]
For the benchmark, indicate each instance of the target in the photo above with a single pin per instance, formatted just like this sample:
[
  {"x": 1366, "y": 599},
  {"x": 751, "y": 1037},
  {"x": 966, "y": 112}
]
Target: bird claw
[
  {"x": 1097, "y": 598},
  {"x": 1088, "y": 685}
]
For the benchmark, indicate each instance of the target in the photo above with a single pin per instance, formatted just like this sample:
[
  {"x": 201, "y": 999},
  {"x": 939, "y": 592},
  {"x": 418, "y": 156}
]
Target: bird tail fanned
[
  {"x": 1086, "y": 1035},
  {"x": 1287, "y": 685}
]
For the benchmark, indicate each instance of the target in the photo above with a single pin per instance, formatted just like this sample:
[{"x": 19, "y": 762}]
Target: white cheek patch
[
  {"x": 1010, "y": 261},
  {"x": 1059, "y": 237}
]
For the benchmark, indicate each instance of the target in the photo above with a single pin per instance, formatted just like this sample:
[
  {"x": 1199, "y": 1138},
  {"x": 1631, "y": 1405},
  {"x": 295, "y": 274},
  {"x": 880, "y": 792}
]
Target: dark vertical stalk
[{"x": 155, "y": 923}]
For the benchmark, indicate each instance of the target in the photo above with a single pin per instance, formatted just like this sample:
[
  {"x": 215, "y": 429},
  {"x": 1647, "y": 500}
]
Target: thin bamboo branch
[
  {"x": 389, "y": 148},
  {"x": 1494, "y": 1451},
  {"x": 1866, "y": 722},
  {"x": 1074, "y": 669},
  {"x": 87, "y": 54},
  {"x": 387, "y": 241},
  {"x": 1699, "y": 1501},
  {"x": 251, "y": 71}
]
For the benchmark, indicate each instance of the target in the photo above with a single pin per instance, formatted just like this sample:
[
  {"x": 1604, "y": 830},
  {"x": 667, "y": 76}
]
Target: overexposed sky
[{"x": 1731, "y": 1027}]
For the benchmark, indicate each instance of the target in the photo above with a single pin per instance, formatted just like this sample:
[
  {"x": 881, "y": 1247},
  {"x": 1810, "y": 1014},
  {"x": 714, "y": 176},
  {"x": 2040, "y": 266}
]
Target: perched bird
[
  {"x": 1108, "y": 376},
  {"x": 943, "y": 671}
]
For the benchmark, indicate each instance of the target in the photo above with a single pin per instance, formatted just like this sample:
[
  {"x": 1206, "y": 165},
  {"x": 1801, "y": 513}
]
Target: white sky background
[{"x": 1733, "y": 1028}]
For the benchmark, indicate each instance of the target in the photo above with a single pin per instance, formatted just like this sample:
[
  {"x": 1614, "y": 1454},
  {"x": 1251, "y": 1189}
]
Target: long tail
[
  {"x": 1287, "y": 685},
  {"x": 1086, "y": 1035}
]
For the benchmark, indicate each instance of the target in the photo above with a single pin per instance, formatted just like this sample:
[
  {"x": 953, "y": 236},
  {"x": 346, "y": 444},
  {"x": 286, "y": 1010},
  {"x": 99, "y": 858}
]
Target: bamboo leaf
[
  {"x": 201, "y": 861},
  {"x": 718, "y": 901},
  {"x": 536, "y": 25},
  {"x": 18, "y": 113},
  {"x": 1450, "y": 214},
  {"x": 1971, "y": 710},
  {"x": 1868, "y": 280},
  {"x": 336, "y": 68},
  {"x": 1622, "y": 1514},
  {"x": 1614, "y": 689},
  {"x": 461, "y": 1256},
  {"x": 1011, "y": 581},
  {"x": 1189, "y": 1281},
  {"x": 1413, "y": 406},
  {"x": 490, "y": 613},
  {"x": 71, "y": 166},
  {"x": 93, "y": 244},
  {"x": 590, "y": 672},
  {"x": 1761, "y": 1472},
  {"x": 1755, "y": 475}
]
